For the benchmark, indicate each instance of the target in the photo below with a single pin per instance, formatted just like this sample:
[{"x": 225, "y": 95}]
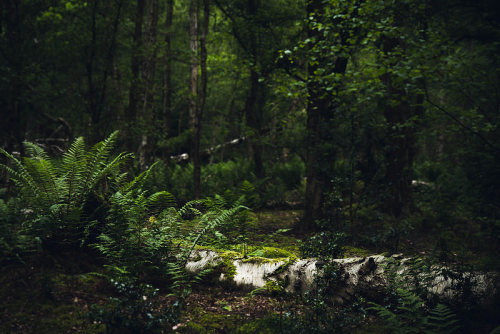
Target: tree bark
[
  {"x": 320, "y": 107},
  {"x": 148, "y": 76},
  {"x": 12, "y": 127},
  {"x": 201, "y": 101},
  {"x": 253, "y": 116},
  {"x": 358, "y": 276},
  {"x": 193, "y": 96},
  {"x": 167, "y": 75},
  {"x": 401, "y": 137},
  {"x": 256, "y": 98},
  {"x": 135, "y": 83},
  {"x": 97, "y": 85}
]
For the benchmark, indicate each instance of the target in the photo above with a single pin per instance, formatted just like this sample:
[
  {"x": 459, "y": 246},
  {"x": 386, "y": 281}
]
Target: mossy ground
[
  {"x": 54, "y": 295},
  {"x": 35, "y": 299}
]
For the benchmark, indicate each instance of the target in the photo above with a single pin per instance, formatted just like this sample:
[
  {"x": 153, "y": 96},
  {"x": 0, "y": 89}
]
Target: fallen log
[{"x": 367, "y": 276}]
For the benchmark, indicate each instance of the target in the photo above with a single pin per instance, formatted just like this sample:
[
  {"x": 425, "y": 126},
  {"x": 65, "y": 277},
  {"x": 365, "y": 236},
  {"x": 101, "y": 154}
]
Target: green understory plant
[
  {"x": 410, "y": 315},
  {"x": 56, "y": 192},
  {"x": 133, "y": 307}
]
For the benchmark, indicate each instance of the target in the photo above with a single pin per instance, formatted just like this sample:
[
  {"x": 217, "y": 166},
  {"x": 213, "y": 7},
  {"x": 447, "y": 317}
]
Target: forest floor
[{"x": 55, "y": 295}]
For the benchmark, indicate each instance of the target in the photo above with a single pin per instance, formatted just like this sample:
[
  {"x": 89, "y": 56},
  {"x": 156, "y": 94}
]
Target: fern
[
  {"x": 409, "y": 316},
  {"x": 58, "y": 189},
  {"x": 496, "y": 330},
  {"x": 441, "y": 320},
  {"x": 210, "y": 221}
]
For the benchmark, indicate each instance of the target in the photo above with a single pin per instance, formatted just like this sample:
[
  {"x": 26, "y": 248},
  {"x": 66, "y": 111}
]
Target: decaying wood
[{"x": 366, "y": 276}]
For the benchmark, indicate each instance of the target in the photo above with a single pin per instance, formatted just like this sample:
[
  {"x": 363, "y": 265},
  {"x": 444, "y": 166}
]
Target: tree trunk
[
  {"x": 319, "y": 110},
  {"x": 12, "y": 127},
  {"x": 201, "y": 101},
  {"x": 315, "y": 184},
  {"x": 193, "y": 96},
  {"x": 97, "y": 84},
  {"x": 93, "y": 108},
  {"x": 254, "y": 104},
  {"x": 357, "y": 276},
  {"x": 401, "y": 137},
  {"x": 253, "y": 116},
  {"x": 135, "y": 83},
  {"x": 167, "y": 75},
  {"x": 148, "y": 76}
]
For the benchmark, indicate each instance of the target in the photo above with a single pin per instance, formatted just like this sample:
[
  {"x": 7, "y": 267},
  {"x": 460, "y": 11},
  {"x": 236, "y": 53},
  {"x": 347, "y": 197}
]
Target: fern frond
[
  {"x": 106, "y": 168},
  {"x": 496, "y": 330},
  {"x": 95, "y": 159},
  {"x": 441, "y": 320},
  {"x": 221, "y": 218},
  {"x": 189, "y": 207},
  {"x": 21, "y": 176},
  {"x": 160, "y": 200},
  {"x": 72, "y": 167},
  {"x": 35, "y": 151},
  {"x": 139, "y": 180},
  {"x": 45, "y": 175}
]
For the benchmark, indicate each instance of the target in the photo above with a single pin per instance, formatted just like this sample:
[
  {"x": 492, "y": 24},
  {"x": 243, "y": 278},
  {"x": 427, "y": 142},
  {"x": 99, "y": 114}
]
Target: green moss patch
[
  {"x": 350, "y": 251},
  {"x": 271, "y": 253}
]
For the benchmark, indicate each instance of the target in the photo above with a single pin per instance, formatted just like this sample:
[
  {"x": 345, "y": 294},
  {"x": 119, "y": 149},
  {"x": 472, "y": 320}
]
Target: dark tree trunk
[
  {"x": 135, "y": 83},
  {"x": 401, "y": 139},
  {"x": 11, "y": 125},
  {"x": 149, "y": 68},
  {"x": 148, "y": 75},
  {"x": 167, "y": 75},
  {"x": 201, "y": 101},
  {"x": 193, "y": 96},
  {"x": 320, "y": 107},
  {"x": 93, "y": 107},
  {"x": 256, "y": 97},
  {"x": 253, "y": 115}
]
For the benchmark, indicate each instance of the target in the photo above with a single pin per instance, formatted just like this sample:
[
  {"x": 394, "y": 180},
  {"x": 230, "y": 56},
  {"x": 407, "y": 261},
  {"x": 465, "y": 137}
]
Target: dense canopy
[{"x": 336, "y": 125}]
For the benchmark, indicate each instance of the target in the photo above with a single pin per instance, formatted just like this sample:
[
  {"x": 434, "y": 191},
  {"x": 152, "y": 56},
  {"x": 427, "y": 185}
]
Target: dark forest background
[{"x": 378, "y": 120}]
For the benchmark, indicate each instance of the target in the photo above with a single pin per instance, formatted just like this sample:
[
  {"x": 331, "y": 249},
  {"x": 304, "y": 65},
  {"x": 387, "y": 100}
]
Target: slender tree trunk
[
  {"x": 253, "y": 115},
  {"x": 148, "y": 76},
  {"x": 193, "y": 96},
  {"x": 316, "y": 104},
  {"x": 319, "y": 110},
  {"x": 12, "y": 127},
  {"x": 401, "y": 137},
  {"x": 167, "y": 75},
  {"x": 135, "y": 84},
  {"x": 150, "y": 50},
  {"x": 91, "y": 89},
  {"x": 256, "y": 97},
  {"x": 201, "y": 101},
  {"x": 97, "y": 82}
]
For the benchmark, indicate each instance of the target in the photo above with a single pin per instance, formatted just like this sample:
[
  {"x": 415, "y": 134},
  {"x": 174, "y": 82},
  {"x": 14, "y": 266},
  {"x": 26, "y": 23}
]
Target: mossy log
[{"x": 367, "y": 276}]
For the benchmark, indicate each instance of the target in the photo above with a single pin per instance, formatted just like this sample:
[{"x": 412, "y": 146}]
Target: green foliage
[
  {"x": 134, "y": 308},
  {"x": 15, "y": 244},
  {"x": 57, "y": 192},
  {"x": 236, "y": 178},
  {"x": 326, "y": 245},
  {"x": 410, "y": 316},
  {"x": 496, "y": 330},
  {"x": 272, "y": 253}
]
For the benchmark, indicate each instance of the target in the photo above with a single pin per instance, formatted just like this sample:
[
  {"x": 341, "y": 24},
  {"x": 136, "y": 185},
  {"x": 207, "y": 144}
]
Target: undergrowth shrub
[
  {"x": 55, "y": 192},
  {"x": 144, "y": 234},
  {"x": 15, "y": 244},
  {"x": 283, "y": 184},
  {"x": 325, "y": 245},
  {"x": 142, "y": 237},
  {"x": 134, "y": 307},
  {"x": 410, "y": 315},
  {"x": 145, "y": 244}
]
